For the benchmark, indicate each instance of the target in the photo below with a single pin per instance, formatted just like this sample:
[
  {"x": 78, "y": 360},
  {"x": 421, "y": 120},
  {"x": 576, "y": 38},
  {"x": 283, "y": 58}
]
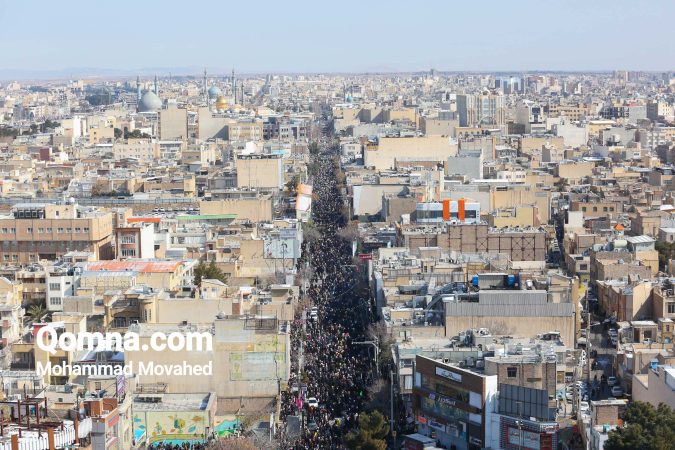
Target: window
[
  {"x": 595, "y": 209},
  {"x": 604, "y": 208},
  {"x": 54, "y": 286},
  {"x": 59, "y": 230},
  {"x": 129, "y": 252},
  {"x": 29, "y": 230},
  {"x": 49, "y": 229},
  {"x": 583, "y": 266},
  {"x": 5, "y": 230},
  {"x": 671, "y": 308},
  {"x": 41, "y": 230},
  {"x": 12, "y": 230},
  {"x": 55, "y": 301},
  {"x": 69, "y": 230},
  {"x": 5, "y": 257},
  {"x": 86, "y": 229},
  {"x": 511, "y": 372},
  {"x": 78, "y": 230},
  {"x": 583, "y": 208}
]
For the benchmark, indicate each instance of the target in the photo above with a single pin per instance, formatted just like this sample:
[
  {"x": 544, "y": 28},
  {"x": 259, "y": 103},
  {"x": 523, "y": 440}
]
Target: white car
[
  {"x": 611, "y": 381},
  {"x": 312, "y": 402},
  {"x": 584, "y": 407},
  {"x": 617, "y": 391}
]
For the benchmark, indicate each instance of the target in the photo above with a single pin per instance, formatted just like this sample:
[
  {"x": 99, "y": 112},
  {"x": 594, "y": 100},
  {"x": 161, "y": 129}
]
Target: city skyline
[{"x": 356, "y": 38}]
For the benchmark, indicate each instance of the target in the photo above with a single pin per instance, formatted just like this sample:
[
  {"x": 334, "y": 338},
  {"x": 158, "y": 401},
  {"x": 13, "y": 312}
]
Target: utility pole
[{"x": 588, "y": 339}]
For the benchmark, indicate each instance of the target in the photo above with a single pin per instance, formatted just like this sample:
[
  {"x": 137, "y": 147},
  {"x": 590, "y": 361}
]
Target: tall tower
[
  {"x": 138, "y": 89},
  {"x": 234, "y": 87},
  {"x": 206, "y": 90},
  {"x": 156, "y": 90}
]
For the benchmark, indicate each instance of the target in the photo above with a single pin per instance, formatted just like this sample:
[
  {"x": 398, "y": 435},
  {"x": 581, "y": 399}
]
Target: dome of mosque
[
  {"x": 150, "y": 102},
  {"x": 221, "y": 103},
  {"x": 214, "y": 92}
]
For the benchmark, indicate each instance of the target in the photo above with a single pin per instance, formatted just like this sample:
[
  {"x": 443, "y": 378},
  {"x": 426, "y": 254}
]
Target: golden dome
[{"x": 221, "y": 103}]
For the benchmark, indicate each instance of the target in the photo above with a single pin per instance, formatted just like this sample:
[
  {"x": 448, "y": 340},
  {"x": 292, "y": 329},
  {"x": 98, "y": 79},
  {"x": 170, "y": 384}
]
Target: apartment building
[{"x": 36, "y": 231}]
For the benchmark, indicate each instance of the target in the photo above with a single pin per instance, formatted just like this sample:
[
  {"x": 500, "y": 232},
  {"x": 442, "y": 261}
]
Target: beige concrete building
[
  {"x": 144, "y": 150},
  {"x": 260, "y": 172},
  {"x": 249, "y": 357},
  {"x": 388, "y": 150},
  {"x": 160, "y": 275},
  {"x": 438, "y": 127},
  {"x": 255, "y": 209},
  {"x": 36, "y": 231},
  {"x": 655, "y": 387},
  {"x": 173, "y": 123}
]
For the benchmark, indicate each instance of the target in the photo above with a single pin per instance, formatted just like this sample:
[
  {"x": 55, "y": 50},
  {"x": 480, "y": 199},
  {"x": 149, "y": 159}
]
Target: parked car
[
  {"x": 312, "y": 426},
  {"x": 584, "y": 407},
  {"x": 617, "y": 391},
  {"x": 611, "y": 381},
  {"x": 312, "y": 402}
]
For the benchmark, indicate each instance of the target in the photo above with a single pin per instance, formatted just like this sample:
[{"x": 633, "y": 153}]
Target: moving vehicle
[{"x": 312, "y": 402}]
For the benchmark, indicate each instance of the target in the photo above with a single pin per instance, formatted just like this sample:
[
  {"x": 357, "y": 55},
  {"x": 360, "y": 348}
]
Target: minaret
[
  {"x": 156, "y": 90},
  {"x": 206, "y": 90},
  {"x": 234, "y": 87},
  {"x": 138, "y": 89}
]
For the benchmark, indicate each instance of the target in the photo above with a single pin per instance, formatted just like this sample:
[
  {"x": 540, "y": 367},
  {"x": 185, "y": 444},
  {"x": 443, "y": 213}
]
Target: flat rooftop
[{"x": 173, "y": 402}]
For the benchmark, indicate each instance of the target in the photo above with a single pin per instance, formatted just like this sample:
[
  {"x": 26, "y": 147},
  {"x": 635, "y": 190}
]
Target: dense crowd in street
[{"x": 335, "y": 371}]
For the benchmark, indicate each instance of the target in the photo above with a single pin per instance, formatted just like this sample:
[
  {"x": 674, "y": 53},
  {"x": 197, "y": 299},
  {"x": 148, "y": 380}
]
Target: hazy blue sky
[{"x": 341, "y": 35}]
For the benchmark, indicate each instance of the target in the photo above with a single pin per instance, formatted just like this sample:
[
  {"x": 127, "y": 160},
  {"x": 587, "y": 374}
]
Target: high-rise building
[{"x": 486, "y": 108}]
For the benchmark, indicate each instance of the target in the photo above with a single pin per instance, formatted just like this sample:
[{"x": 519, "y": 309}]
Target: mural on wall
[
  {"x": 171, "y": 426},
  {"x": 264, "y": 360},
  {"x": 227, "y": 426}
]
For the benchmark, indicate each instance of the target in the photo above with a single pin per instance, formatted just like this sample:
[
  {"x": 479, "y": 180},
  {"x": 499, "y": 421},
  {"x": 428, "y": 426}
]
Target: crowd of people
[
  {"x": 327, "y": 364},
  {"x": 183, "y": 446}
]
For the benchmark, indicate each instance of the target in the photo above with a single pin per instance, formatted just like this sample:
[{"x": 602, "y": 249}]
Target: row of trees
[{"x": 645, "y": 428}]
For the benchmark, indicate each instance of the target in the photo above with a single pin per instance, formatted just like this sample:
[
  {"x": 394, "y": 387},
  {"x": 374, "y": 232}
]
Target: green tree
[
  {"x": 208, "y": 271},
  {"x": 666, "y": 253},
  {"x": 136, "y": 134},
  {"x": 37, "y": 312},
  {"x": 371, "y": 433},
  {"x": 646, "y": 428},
  {"x": 292, "y": 185},
  {"x": 118, "y": 133},
  {"x": 313, "y": 148}
]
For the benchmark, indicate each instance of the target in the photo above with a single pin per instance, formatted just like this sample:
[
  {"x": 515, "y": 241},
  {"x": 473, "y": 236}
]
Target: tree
[
  {"x": 666, "y": 253},
  {"x": 38, "y": 312},
  {"x": 371, "y": 433},
  {"x": 118, "y": 133},
  {"x": 136, "y": 134},
  {"x": 292, "y": 185},
  {"x": 313, "y": 148},
  {"x": 646, "y": 428},
  {"x": 208, "y": 271}
]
